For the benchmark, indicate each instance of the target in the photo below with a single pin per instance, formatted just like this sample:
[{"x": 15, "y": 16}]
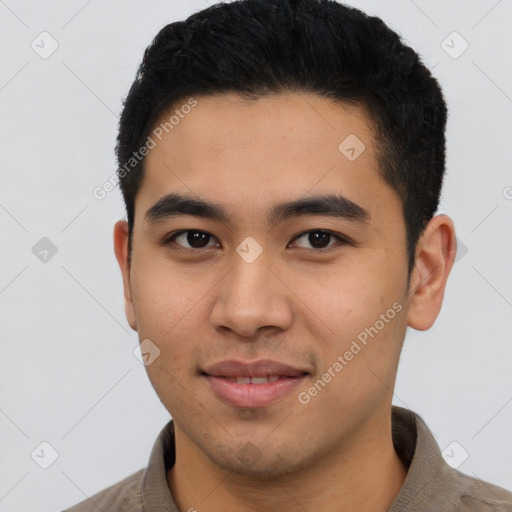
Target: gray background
[{"x": 68, "y": 375}]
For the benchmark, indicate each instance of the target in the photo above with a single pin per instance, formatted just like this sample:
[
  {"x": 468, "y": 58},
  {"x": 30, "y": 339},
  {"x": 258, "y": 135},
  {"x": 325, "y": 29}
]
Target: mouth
[
  {"x": 252, "y": 385},
  {"x": 255, "y": 380}
]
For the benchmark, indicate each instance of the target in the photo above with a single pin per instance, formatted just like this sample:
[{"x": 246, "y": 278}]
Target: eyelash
[{"x": 342, "y": 240}]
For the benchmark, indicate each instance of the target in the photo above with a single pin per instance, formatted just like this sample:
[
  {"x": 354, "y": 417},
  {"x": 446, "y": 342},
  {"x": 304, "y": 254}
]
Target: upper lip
[{"x": 261, "y": 368}]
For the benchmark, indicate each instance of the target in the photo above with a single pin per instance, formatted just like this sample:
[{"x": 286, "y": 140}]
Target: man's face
[{"x": 308, "y": 300}]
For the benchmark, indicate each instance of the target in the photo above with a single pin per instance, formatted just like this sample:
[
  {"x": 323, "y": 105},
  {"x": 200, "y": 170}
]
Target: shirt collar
[
  {"x": 155, "y": 492},
  {"x": 418, "y": 450},
  {"x": 413, "y": 441}
]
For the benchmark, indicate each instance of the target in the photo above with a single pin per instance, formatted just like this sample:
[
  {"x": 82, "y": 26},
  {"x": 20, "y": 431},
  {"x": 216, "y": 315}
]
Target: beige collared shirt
[{"x": 431, "y": 484}]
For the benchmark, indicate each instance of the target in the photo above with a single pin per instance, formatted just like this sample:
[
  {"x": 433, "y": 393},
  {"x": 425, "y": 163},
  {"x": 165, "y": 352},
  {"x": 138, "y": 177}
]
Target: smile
[{"x": 252, "y": 385}]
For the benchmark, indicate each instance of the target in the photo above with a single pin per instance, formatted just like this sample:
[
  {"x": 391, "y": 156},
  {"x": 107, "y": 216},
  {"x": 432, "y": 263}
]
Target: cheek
[
  {"x": 171, "y": 308},
  {"x": 168, "y": 307},
  {"x": 167, "y": 300},
  {"x": 345, "y": 302},
  {"x": 362, "y": 316},
  {"x": 358, "y": 364}
]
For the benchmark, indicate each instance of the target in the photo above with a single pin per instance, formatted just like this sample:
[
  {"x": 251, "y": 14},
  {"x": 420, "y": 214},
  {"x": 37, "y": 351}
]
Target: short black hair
[{"x": 259, "y": 47}]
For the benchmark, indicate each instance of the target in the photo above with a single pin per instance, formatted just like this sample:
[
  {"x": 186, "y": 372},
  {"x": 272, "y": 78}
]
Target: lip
[
  {"x": 251, "y": 395},
  {"x": 260, "y": 368}
]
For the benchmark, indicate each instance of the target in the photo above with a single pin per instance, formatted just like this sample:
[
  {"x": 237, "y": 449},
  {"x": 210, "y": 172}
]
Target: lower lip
[{"x": 252, "y": 395}]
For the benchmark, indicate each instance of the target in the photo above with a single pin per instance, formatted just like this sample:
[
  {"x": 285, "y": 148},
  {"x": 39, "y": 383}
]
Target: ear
[
  {"x": 435, "y": 254},
  {"x": 121, "y": 251}
]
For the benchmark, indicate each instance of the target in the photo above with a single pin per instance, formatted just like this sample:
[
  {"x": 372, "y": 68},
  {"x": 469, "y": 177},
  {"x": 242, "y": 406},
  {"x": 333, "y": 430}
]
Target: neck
[{"x": 340, "y": 481}]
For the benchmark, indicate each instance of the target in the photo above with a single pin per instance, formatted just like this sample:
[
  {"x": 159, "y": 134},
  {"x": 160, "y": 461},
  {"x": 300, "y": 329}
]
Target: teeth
[
  {"x": 259, "y": 380},
  {"x": 254, "y": 380}
]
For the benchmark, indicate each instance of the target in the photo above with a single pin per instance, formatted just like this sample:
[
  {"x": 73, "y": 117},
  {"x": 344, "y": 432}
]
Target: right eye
[{"x": 194, "y": 238}]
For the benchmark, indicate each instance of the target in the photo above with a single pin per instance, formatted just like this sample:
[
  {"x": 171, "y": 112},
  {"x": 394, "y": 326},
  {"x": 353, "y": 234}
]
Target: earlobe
[
  {"x": 121, "y": 235},
  {"x": 435, "y": 255}
]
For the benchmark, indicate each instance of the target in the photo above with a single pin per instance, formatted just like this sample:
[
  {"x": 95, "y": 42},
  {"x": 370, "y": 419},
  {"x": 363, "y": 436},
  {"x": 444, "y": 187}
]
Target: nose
[{"x": 250, "y": 298}]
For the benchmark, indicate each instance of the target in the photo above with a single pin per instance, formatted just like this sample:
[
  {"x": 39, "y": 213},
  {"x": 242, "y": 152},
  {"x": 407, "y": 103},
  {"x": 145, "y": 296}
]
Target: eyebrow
[{"x": 330, "y": 205}]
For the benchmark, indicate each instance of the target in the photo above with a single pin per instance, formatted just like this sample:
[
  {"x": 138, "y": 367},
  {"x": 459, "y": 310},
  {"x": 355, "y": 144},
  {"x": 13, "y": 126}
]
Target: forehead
[
  {"x": 245, "y": 153},
  {"x": 230, "y": 120}
]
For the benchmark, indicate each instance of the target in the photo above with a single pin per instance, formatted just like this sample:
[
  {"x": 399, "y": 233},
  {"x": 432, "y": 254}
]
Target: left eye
[{"x": 319, "y": 239}]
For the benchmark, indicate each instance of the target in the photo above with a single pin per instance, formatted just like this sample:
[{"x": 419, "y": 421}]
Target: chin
[{"x": 248, "y": 460}]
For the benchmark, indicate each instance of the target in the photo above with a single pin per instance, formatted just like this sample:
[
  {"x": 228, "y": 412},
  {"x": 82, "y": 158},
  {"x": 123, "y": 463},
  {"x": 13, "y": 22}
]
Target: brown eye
[
  {"x": 193, "y": 239},
  {"x": 318, "y": 239}
]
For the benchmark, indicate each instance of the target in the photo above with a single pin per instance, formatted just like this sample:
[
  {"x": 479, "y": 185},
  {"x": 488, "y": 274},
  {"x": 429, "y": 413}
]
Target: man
[{"x": 281, "y": 163}]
